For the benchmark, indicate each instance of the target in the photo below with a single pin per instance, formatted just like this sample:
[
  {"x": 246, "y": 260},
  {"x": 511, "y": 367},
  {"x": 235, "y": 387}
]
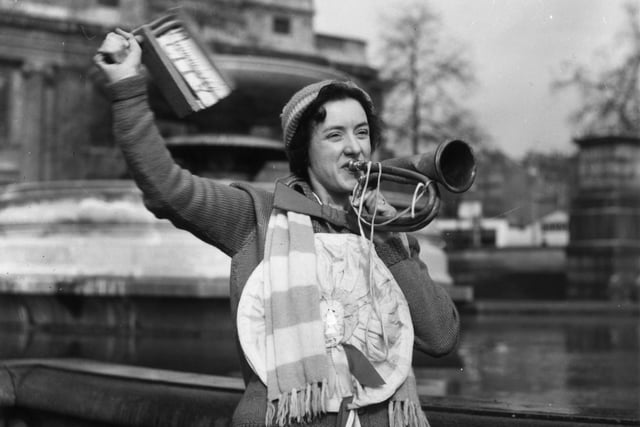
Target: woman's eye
[
  {"x": 334, "y": 136},
  {"x": 362, "y": 133}
]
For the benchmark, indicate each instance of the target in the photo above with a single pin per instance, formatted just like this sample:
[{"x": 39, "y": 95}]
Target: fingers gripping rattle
[{"x": 115, "y": 48}]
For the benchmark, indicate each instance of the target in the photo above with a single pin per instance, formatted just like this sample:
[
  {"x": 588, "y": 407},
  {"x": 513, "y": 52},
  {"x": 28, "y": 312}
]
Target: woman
[{"x": 327, "y": 316}]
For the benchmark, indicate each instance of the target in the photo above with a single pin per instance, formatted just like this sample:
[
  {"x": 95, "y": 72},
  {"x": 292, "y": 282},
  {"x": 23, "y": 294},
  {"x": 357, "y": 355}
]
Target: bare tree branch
[
  {"x": 426, "y": 75},
  {"x": 610, "y": 99}
]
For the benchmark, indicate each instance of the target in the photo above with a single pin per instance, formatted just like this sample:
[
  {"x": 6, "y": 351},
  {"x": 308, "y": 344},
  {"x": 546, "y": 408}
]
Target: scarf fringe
[
  {"x": 298, "y": 405},
  {"x": 405, "y": 413}
]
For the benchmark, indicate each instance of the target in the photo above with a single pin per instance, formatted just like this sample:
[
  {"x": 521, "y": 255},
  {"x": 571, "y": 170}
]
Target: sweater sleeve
[
  {"x": 219, "y": 214},
  {"x": 435, "y": 318}
]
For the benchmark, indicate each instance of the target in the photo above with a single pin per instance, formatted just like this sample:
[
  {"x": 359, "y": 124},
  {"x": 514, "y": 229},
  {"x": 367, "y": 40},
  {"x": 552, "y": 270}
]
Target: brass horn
[{"x": 451, "y": 164}]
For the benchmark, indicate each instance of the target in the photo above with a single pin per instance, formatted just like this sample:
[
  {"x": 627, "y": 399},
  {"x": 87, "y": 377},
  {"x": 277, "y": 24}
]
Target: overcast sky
[{"x": 517, "y": 46}]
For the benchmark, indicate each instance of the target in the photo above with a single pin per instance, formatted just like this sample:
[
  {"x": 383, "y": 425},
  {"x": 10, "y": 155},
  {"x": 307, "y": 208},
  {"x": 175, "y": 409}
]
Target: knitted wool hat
[{"x": 295, "y": 108}]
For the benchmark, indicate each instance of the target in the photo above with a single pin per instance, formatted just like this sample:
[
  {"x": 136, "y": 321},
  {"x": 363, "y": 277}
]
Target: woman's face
[{"x": 341, "y": 137}]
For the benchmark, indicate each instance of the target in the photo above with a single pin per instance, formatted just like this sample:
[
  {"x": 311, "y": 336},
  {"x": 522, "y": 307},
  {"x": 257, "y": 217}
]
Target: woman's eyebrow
[{"x": 364, "y": 123}]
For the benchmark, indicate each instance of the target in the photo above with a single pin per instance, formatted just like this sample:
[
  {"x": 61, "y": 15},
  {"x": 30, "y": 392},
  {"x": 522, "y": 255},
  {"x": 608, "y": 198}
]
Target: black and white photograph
[{"x": 319, "y": 213}]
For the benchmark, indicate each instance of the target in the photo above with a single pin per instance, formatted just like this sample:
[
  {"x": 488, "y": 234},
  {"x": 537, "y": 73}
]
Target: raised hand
[{"x": 119, "y": 56}]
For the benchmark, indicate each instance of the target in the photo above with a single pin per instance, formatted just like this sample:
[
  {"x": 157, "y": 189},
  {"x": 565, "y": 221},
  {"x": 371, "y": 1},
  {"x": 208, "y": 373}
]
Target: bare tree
[
  {"x": 425, "y": 76},
  {"x": 610, "y": 93}
]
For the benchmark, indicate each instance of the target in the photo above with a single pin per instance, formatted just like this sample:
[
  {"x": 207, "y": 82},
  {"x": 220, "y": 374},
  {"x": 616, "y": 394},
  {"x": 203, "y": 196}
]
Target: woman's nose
[{"x": 352, "y": 146}]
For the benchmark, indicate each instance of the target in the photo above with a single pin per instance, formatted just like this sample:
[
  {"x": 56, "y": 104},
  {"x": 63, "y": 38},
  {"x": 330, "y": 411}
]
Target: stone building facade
[{"x": 55, "y": 119}]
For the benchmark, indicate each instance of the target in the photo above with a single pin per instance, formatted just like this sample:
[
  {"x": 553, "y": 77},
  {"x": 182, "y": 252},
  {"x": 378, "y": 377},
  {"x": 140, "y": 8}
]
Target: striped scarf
[
  {"x": 297, "y": 367},
  {"x": 296, "y": 360}
]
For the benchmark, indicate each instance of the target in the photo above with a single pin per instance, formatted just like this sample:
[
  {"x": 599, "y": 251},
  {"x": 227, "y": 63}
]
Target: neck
[
  {"x": 343, "y": 205},
  {"x": 338, "y": 201}
]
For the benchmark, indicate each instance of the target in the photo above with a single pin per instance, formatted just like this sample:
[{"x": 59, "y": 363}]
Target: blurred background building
[{"x": 55, "y": 122}]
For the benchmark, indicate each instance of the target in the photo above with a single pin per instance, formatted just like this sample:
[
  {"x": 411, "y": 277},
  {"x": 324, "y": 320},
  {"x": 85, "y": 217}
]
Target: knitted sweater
[{"x": 234, "y": 219}]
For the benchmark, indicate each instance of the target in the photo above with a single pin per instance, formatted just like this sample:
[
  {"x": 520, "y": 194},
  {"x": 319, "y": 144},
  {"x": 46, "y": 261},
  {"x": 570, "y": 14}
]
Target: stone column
[
  {"x": 603, "y": 255},
  {"x": 33, "y": 130}
]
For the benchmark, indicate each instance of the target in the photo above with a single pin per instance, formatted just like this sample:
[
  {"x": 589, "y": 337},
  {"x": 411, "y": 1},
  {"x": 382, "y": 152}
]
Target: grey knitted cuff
[{"x": 127, "y": 88}]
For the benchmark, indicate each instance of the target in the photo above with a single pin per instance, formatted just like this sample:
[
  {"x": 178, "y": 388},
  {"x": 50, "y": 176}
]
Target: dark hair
[{"x": 315, "y": 113}]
